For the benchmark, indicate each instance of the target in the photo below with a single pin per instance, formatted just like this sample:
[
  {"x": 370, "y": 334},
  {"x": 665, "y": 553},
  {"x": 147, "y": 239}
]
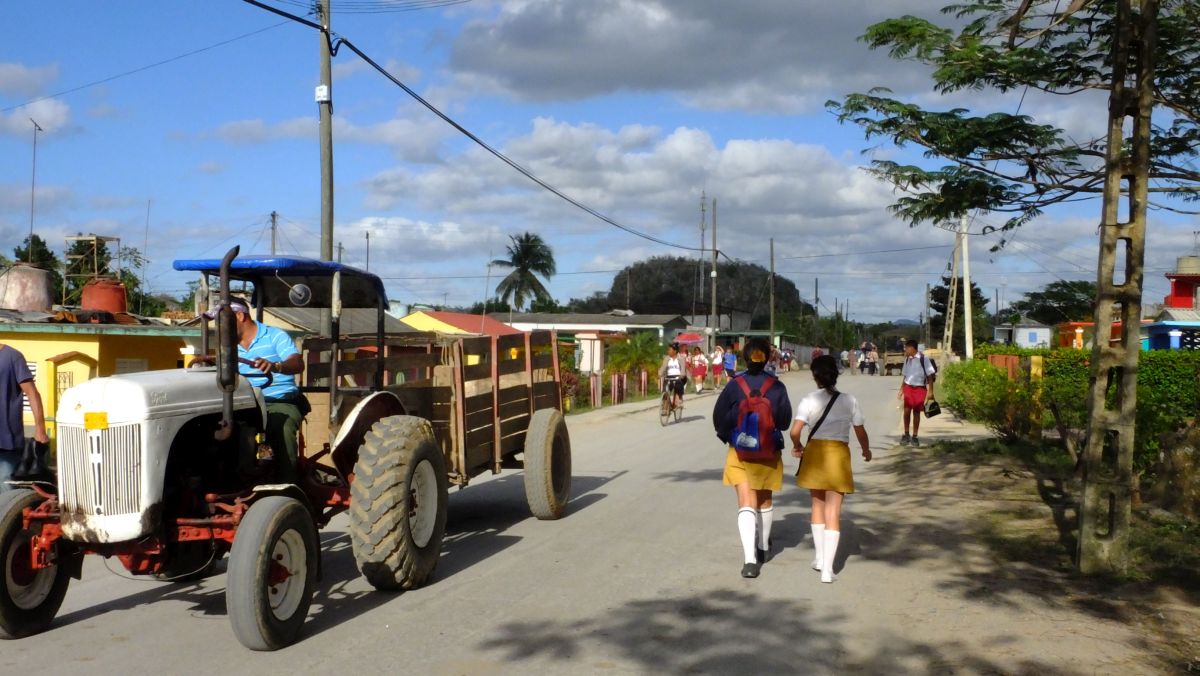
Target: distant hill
[{"x": 905, "y": 322}]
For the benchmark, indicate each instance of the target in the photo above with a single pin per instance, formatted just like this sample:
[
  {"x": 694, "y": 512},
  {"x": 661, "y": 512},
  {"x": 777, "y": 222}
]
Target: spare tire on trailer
[
  {"x": 547, "y": 464},
  {"x": 398, "y": 503}
]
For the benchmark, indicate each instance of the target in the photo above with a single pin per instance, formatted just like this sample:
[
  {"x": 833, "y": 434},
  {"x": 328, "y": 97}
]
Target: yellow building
[{"x": 64, "y": 355}]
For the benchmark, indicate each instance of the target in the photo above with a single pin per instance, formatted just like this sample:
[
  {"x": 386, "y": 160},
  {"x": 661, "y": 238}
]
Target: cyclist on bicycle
[{"x": 672, "y": 372}]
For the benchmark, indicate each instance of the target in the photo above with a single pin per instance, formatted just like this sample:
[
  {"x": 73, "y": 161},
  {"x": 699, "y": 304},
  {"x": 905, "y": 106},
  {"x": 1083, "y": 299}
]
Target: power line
[
  {"x": 156, "y": 64},
  {"x": 465, "y": 132},
  {"x": 863, "y": 253}
]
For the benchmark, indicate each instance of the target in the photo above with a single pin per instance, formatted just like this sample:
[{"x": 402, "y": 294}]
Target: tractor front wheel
[
  {"x": 30, "y": 597},
  {"x": 272, "y": 573}
]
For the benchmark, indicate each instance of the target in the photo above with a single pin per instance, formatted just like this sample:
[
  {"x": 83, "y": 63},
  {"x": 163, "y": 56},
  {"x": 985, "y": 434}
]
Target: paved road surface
[{"x": 640, "y": 577}]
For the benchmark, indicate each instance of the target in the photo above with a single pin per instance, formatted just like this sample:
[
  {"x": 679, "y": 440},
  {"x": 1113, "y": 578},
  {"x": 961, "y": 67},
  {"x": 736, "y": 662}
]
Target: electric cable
[
  {"x": 340, "y": 41},
  {"x": 156, "y": 64}
]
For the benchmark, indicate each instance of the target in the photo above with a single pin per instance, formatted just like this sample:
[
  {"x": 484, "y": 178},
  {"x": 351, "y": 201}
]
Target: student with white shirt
[
  {"x": 825, "y": 457},
  {"x": 917, "y": 388}
]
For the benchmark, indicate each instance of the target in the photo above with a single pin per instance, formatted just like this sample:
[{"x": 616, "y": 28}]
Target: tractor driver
[{"x": 272, "y": 351}]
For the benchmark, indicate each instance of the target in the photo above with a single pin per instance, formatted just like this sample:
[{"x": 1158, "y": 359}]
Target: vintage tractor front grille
[{"x": 100, "y": 471}]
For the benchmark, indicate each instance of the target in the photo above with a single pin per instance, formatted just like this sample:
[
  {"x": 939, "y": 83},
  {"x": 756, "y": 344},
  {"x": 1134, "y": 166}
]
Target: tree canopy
[
  {"x": 1009, "y": 162},
  {"x": 1059, "y": 301},
  {"x": 528, "y": 256},
  {"x": 668, "y": 285}
]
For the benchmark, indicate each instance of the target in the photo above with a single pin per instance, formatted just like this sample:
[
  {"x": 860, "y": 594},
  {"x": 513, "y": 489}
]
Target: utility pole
[
  {"x": 274, "y": 230},
  {"x": 952, "y": 298},
  {"x": 968, "y": 329},
  {"x": 32, "y": 191},
  {"x": 772, "y": 282},
  {"x": 629, "y": 288},
  {"x": 816, "y": 308},
  {"x": 698, "y": 290},
  {"x": 368, "y": 234},
  {"x": 928, "y": 319},
  {"x": 339, "y": 250},
  {"x": 1106, "y": 509},
  {"x": 324, "y": 97},
  {"x": 715, "y": 323},
  {"x": 145, "y": 254}
]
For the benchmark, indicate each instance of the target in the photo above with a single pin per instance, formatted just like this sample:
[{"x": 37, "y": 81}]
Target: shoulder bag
[{"x": 816, "y": 426}]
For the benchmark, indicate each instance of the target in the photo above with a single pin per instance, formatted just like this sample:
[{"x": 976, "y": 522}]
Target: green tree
[
  {"x": 139, "y": 300},
  {"x": 596, "y": 303},
  {"x": 939, "y": 297},
  {"x": 641, "y": 350},
  {"x": 1060, "y": 301},
  {"x": 1008, "y": 162},
  {"x": 528, "y": 256},
  {"x": 667, "y": 285},
  {"x": 43, "y": 258},
  {"x": 84, "y": 260}
]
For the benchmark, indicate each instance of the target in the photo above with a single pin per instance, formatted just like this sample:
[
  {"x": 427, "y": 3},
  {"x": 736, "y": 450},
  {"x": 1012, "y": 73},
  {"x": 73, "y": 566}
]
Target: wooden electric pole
[
  {"x": 1106, "y": 510},
  {"x": 772, "y": 283},
  {"x": 716, "y": 324},
  {"x": 274, "y": 230}
]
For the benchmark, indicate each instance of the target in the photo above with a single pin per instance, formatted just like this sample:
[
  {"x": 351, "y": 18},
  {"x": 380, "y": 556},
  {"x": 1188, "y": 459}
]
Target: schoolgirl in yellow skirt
[
  {"x": 753, "y": 480},
  {"x": 825, "y": 459}
]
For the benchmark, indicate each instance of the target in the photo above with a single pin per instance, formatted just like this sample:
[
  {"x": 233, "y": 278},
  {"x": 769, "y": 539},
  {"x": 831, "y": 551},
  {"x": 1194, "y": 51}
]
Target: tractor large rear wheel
[
  {"x": 29, "y": 598},
  {"x": 398, "y": 503},
  {"x": 547, "y": 464},
  {"x": 272, "y": 573}
]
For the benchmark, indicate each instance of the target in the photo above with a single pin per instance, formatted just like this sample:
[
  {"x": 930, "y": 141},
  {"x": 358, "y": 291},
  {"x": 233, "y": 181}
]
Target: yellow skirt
[
  {"x": 826, "y": 466},
  {"x": 762, "y": 476}
]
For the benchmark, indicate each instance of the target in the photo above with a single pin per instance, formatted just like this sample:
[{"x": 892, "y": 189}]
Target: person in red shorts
[{"x": 917, "y": 387}]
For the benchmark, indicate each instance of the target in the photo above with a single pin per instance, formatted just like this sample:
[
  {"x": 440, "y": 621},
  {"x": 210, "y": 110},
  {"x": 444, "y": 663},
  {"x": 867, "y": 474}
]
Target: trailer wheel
[
  {"x": 398, "y": 503},
  {"x": 547, "y": 464},
  {"x": 29, "y": 599},
  {"x": 272, "y": 573}
]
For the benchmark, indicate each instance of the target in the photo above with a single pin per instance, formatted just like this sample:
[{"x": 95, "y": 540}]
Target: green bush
[
  {"x": 982, "y": 393},
  {"x": 1168, "y": 394}
]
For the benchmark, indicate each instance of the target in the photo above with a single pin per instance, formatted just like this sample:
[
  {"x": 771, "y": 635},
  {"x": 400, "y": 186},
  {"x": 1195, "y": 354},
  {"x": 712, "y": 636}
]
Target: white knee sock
[
  {"x": 831, "y": 544},
  {"x": 818, "y": 536},
  {"x": 747, "y": 522},
  {"x": 764, "y": 531}
]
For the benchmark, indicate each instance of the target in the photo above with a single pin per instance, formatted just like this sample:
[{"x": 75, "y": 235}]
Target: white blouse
[{"x": 844, "y": 414}]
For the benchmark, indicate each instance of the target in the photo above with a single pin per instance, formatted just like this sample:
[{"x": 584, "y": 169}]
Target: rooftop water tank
[
  {"x": 1188, "y": 265},
  {"x": 26, "y": 288},
  {"x": 104, "y": 294}
]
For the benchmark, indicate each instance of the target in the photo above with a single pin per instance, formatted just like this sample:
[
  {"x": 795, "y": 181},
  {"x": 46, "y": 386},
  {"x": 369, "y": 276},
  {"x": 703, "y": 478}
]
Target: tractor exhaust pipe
[{"x": 227, "y": 365}]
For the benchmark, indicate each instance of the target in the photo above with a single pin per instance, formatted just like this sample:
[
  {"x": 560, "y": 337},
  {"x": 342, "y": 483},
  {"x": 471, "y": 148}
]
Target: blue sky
[{"x": 632, "y": 106}]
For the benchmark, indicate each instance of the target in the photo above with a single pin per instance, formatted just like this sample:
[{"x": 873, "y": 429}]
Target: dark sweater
[{"x": 725, "y": 412}]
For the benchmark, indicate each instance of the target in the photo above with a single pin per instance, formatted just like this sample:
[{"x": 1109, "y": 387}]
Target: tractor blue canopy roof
[{"x": 273, "y": 277}]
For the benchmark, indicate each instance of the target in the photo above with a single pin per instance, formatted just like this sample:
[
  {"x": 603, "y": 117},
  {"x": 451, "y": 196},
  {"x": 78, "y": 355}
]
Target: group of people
[{"x": 829, "y": 416}]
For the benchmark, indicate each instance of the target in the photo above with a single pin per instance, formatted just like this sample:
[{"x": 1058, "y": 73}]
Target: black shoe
[
  {"x": 905, "y": 440},
  {"x": 750, "y": 570},
  {"x": 761, "y": 555},
  {"x": 915, "y": 441}
]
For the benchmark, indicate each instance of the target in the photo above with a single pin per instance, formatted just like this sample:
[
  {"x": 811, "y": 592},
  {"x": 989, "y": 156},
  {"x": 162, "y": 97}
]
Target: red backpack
[{"x": 754, "y": 436}]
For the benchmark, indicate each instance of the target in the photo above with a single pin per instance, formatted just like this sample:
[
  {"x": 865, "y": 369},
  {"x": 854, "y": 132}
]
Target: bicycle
[{"x": 667, "y": 407}]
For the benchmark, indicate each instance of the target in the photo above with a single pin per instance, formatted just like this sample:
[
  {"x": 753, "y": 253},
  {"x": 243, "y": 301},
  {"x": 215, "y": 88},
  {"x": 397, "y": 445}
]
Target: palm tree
[
  {"x": 641, "y": 351},
  {"x": 528, "y": 256}
]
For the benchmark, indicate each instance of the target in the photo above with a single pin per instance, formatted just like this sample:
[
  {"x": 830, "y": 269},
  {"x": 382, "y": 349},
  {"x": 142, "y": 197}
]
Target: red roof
[{"x": 473, "y": 323}]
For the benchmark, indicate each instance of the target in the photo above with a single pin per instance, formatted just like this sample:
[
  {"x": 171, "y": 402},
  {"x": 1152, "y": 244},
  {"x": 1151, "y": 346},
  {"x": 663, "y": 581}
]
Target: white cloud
[
  {"x": 51, "y": 115},
  {"x": 211, "y": 167},
  {"x": 411, "y": 139},
  {"x": 20, "y": 80},
  {"x": 722, "y": 55}
]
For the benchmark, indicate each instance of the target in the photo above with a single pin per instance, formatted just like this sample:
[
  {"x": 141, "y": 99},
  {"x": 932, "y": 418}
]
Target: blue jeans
[{"x": 8, "y": 464}]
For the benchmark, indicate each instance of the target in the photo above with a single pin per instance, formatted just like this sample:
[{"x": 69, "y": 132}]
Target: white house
[{"x": 1027, "y": 333}]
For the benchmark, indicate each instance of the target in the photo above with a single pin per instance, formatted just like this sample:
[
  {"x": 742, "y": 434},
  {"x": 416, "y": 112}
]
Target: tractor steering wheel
[{"x": 256, "y": 373}]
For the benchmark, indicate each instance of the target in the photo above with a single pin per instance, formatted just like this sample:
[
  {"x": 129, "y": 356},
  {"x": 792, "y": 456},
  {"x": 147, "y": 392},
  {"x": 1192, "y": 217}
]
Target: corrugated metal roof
[
  {"x": 1174, "y": 314},
  {"x": 353, "y": 320},
  {"x": 600, "y": 319}
]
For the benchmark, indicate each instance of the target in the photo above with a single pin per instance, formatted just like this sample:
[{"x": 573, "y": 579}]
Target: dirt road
[{"x": 641, "y": 577}]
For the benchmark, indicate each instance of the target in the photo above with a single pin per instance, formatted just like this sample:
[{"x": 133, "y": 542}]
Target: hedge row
[{"x": 1168, "y": 397}]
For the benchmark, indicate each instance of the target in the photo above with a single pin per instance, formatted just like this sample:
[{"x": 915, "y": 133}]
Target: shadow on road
[
  {"x": 475, "y": 530},
  {"x": 727, "y": 632}
]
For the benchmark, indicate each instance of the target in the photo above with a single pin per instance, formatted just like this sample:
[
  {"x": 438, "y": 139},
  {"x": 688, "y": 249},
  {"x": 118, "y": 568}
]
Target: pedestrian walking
[
  {"x": 731, "y": 355},
  {"x": 825, "y": 457},
  {"x": 16, "y": 381},
  {"x": 916, "y": 388},
  {"x": 754, "y": 476},
  {"x": 699, "y": 364},
  {"x": 717, "y": 361}
]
